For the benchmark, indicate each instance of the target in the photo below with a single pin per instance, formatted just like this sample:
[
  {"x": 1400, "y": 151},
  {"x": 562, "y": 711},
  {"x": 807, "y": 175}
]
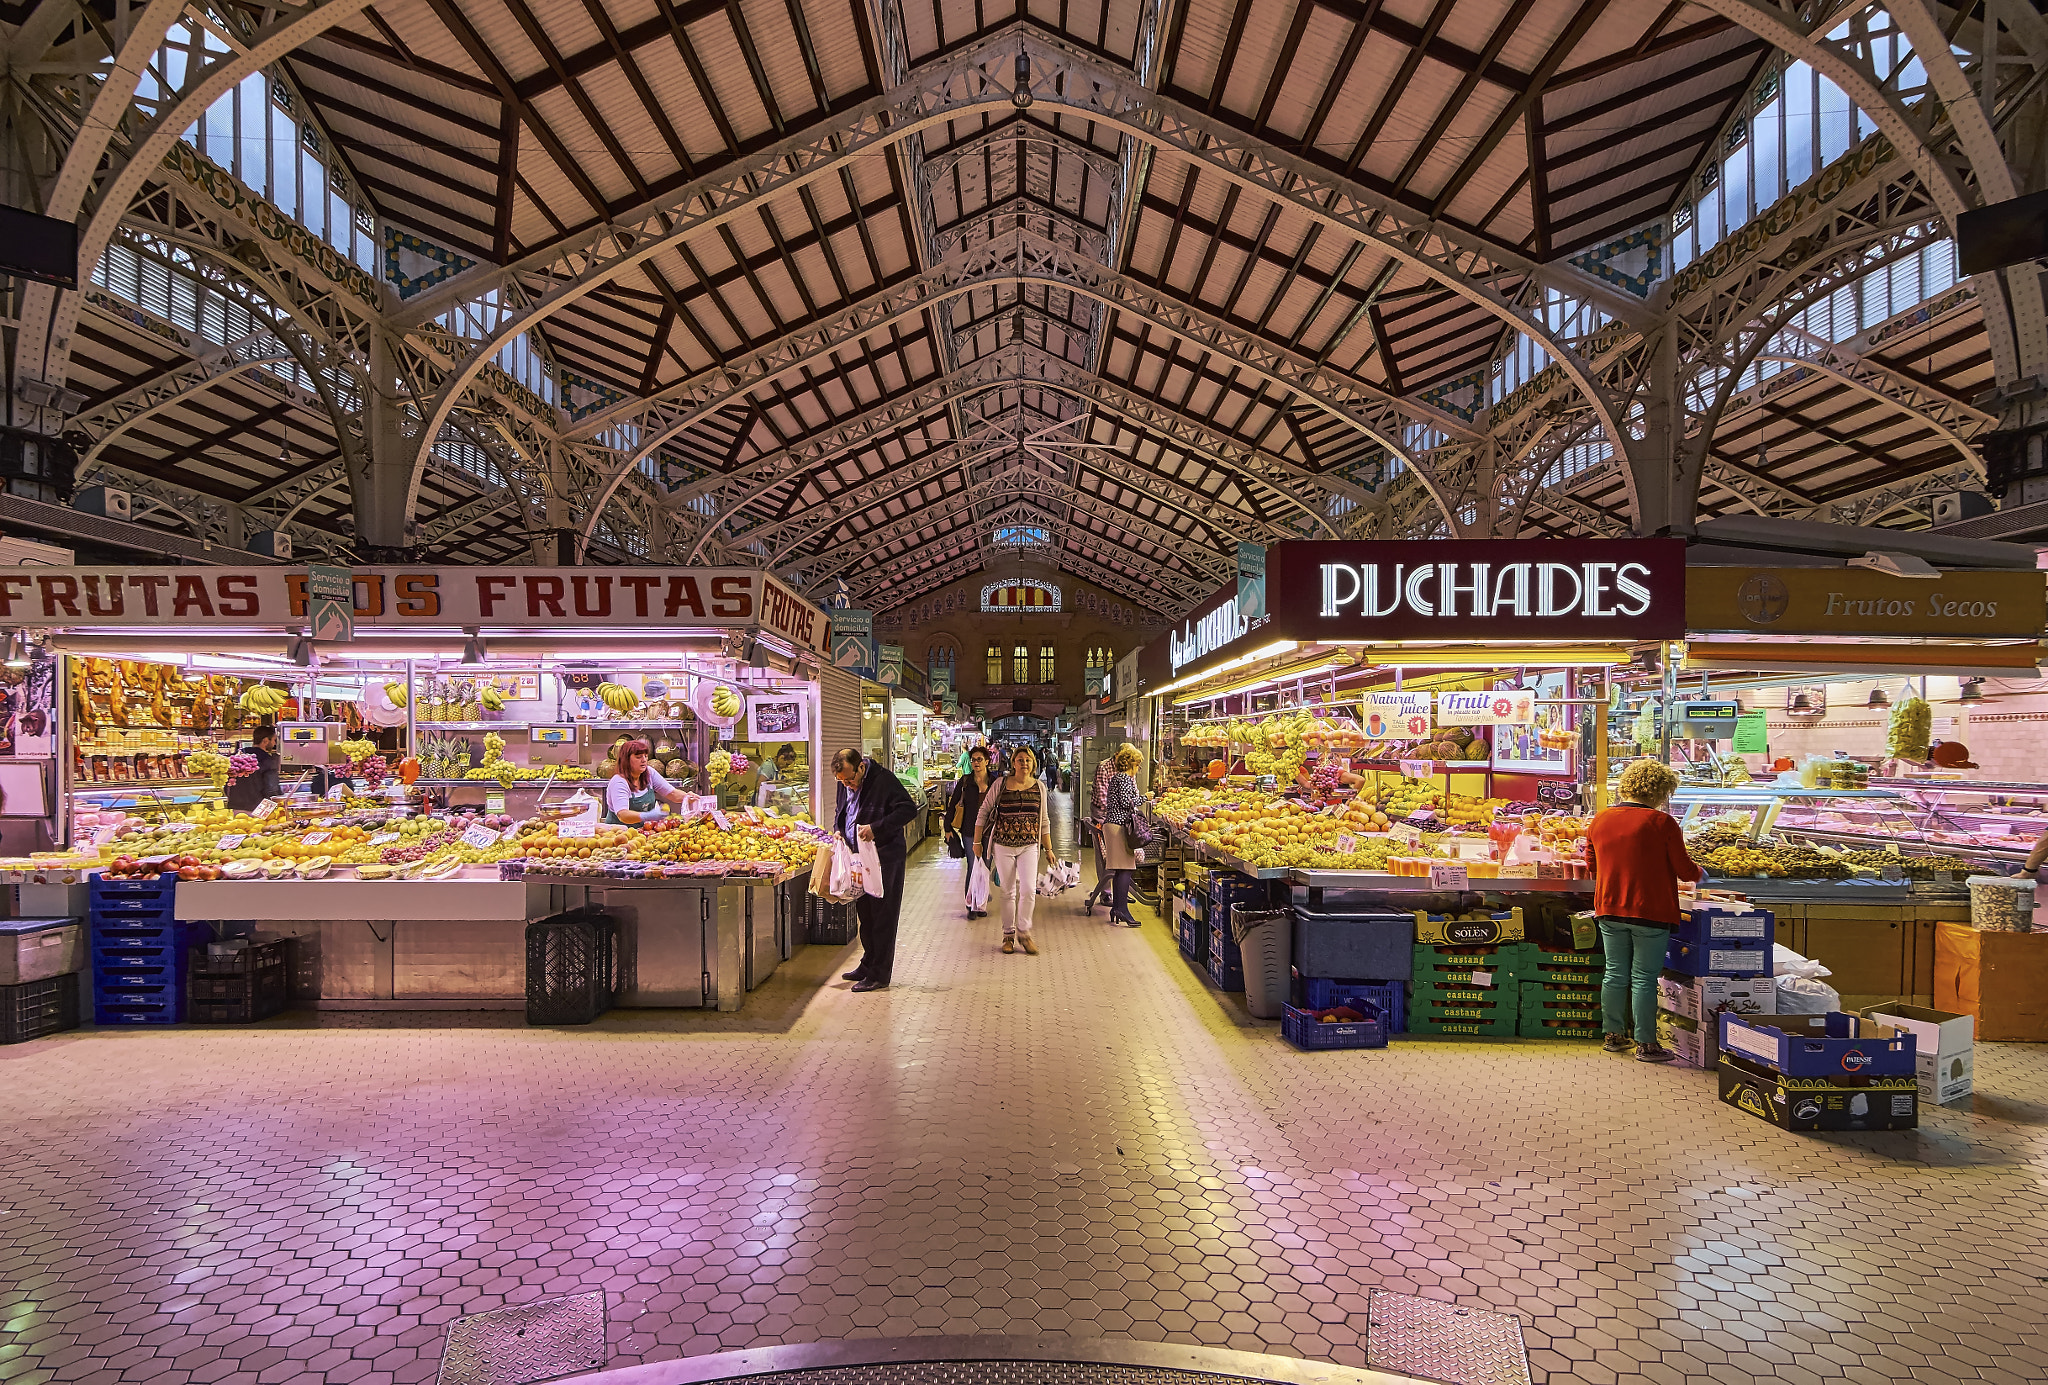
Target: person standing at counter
[
  {"x": 874, "y": 807},
  {"x": 1637, "y": 852},
  {"x": 251, "y": 789},
  {"x": 1120, "y": 807},
  {"x": 963, "y": 811},
  {"x": 635, "y": 793}
]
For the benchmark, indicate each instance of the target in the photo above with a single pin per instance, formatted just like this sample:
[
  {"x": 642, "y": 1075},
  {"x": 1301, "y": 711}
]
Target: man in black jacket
[{"x": 874, "y": 806}]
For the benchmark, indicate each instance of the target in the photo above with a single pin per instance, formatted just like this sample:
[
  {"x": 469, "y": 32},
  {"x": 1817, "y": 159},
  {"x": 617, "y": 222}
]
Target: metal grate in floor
[
  {"x": 542, "y": 1340},
  {"x": 1440, "y": 1341}
]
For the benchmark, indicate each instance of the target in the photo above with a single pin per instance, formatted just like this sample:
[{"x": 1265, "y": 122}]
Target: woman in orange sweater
[{"x": 1638, "y": 854}]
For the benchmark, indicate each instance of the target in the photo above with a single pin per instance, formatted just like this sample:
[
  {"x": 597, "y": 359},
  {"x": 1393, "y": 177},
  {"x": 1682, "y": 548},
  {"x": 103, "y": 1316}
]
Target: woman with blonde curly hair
[
  {"x": 1120, "y": 807},
  {"x": 1638, "y": 854}
]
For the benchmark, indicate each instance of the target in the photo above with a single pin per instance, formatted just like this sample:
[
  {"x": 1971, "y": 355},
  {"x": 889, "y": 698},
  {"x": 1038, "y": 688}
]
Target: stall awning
[{"x": 1867, "y": 660}]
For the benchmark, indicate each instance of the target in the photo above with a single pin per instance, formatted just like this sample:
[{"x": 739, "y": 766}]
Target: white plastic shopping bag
[
  {"x": 977, "y": 885},
  {"x": 870, "y": 869},
  {"x": 845, "y": 874}
]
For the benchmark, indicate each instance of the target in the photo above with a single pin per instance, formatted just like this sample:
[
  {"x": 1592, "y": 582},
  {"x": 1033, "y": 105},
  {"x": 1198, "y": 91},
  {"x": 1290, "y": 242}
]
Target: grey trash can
[{"x": 1265, "y": 944}]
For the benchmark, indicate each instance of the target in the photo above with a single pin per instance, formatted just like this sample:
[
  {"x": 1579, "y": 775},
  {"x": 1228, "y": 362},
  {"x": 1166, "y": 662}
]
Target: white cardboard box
[
  {"x": 1697, "y": 1045},
  {"x": 1945, "y": 1048},
  {"x": 1700, "y": 998}
]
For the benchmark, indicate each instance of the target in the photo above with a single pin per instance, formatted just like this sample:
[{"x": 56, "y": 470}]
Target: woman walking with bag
[
  {"x": 963, "y": 814},
  {"x": 1012, "y": 829},
  {"x": 1120, "y": 808}
]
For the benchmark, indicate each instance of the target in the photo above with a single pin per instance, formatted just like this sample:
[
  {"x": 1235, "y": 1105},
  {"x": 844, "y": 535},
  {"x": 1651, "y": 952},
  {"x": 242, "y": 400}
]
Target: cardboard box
[
  {"x": 1476, "y": 928},
  {"x": 2001, "y": 979},
  {"x": 1738, "y": 923},
  {"x": 1833, "y": 1045},
  {"x": 1731, "y": 958},
  {"x": 1946, "y": 1048},
  {"x": 1585, "y": 931},
  {"x": 1693, "y": 1042},
  {"x": 1704, "y": 998},
  {"x": 1820, "y": 1103}
]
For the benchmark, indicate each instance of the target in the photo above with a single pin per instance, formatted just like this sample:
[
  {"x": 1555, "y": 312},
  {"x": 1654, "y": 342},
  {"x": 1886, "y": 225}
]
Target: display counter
[{"x": 461, "y": 943}]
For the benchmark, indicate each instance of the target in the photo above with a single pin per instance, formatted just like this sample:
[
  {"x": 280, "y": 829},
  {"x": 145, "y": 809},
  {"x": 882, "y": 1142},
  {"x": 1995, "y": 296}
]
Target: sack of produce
[{"x": 2001, "y": 903}]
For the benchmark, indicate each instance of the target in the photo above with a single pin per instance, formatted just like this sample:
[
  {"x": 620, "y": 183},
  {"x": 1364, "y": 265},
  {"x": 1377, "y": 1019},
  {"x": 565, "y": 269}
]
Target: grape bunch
[
  {"x": 398, "y": 855},
  {"x": 1323, "y": 779},
  {"x": 374, "y": 769}
]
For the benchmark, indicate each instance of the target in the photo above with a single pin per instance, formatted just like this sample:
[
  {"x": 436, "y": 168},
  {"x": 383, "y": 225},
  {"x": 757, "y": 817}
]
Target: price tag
[
  {"x": 1343, "y": 763},
  {"x": 231, "y": 841},
  {"x": 480, "y": 837},
  {"x": 494, "y": 800},
  {"x": 1417, "y": 769},
  {"x": 264, "y": 809},
  {"x": 180, "y": 827},
  {"x": 383, "y": 837},
  {"x": 315, "y": 838},
  {"x": 1890, "y": 871},
  {"x": 723, "y": 824},
  {"x": 1944, "y": 877},
  {"x": 1346, "y": 842},
  {"x": 1448, "y": 877},
  {"x": 1406, "y": 833},
  {"x": 1482, "y": 978},
  {"x": 509, "y": 834},
  {"x": 569, "y": 829}
]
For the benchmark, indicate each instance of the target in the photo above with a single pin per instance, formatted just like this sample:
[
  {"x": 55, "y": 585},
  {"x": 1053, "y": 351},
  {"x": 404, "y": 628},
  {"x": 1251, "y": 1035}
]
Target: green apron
[{"x": 642, "y": 802}]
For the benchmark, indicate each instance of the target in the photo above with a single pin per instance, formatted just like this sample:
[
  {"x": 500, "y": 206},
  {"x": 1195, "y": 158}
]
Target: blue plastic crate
[
  {"x": 1226, "y": 971},
  {"x": 1743, "y": 958},
  {"x": 1390, "y": 998},
  {"x": 1299, "y": 1028},
  {"x": 133, "y": 896},
  {"x": 155, "y": 1005},
  {"x": 139, "y": 970},
  {"x": 1708, "y": 924}
]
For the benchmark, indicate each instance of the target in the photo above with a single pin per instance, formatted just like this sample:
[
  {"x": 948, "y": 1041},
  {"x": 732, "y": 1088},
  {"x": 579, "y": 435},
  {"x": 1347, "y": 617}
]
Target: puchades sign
[
  {"x": 1204, "y": 634},
  {"x": 1625, "y": 590},
  {"x": 391, "y": 599}
]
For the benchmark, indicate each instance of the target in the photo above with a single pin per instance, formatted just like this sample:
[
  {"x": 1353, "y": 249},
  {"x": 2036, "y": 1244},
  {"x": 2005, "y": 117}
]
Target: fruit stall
[{"x": 445, "y": 755}]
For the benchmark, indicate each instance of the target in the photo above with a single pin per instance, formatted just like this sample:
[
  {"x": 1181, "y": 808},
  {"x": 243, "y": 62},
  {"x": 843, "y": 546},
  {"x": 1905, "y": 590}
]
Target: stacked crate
[
  {"x": 237, "y": 985},
  {"x": 1560, "y": 993},
  {"x": 1719, "y": 960},
  {"x": 1220, "y": 892},
  {"x": 39, "y": 962},
  {"x": 139, "y": 952},
  {"x": 1465, "y": 988}
]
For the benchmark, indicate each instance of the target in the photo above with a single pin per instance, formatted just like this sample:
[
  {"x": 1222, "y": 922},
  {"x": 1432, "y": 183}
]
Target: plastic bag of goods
[{"x": 1800, "y": 988}]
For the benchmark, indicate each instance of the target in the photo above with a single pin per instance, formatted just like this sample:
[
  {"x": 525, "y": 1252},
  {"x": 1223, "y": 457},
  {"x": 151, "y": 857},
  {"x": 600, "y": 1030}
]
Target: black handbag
[
  {"x": 956, "y": 848},
  {"x": 1140, "y": 834}
]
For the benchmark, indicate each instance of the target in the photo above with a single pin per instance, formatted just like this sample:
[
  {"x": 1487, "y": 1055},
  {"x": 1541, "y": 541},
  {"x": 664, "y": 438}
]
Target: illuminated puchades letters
[{"x": 1485, "y": 590}]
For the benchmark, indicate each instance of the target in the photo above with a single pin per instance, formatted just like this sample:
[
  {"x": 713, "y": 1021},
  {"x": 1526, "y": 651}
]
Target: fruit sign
[{"x": 1516, "y": 707}]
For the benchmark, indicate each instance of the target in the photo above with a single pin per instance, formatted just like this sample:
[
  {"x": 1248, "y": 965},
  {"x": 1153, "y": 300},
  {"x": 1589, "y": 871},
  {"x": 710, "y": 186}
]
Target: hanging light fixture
[
  {"x": 1020, "y": 91},
  {"x": 1971, "y": 692},
  {"x": 1800, "y": 705},
  {"x": 474, "y": 650},
  {"x": 17, "y": 650},
  {"x": 1878, "y": 700}
]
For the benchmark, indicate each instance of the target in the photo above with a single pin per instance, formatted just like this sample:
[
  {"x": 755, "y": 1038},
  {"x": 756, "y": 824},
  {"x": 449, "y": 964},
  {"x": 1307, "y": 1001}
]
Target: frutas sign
[
  {"x": 1620, "y": 589},
  {"x": 387, "y": 599},
  {"x": 1205, "y": 634}
]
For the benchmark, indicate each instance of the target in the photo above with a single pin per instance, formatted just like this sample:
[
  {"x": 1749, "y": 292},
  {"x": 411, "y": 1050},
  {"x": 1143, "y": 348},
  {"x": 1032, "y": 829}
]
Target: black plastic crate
[
  {"x": 242, "y": 961},
  {"x": 32, "y": 1009},
  {"x": 829, "y": 922},
  {"x": 570, "y": 961},
  {"x": 239, "y": 999}
]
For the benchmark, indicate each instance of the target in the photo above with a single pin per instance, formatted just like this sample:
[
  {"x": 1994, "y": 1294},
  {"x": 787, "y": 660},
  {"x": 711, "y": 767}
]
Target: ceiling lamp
[
  {"x": 1800, "y": 706},
  {"x": 1971, "y": 692},
  {"x": 1878, "y": 699},
  {"x": 474, "y": 650},
  {"x": 1020, "y": 92},
  {"x": 17, "y": 650}
]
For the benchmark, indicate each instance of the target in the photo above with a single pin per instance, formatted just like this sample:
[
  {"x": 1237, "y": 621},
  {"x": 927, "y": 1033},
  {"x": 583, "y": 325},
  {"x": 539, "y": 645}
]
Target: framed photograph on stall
[{"x": 778, "y": 717}]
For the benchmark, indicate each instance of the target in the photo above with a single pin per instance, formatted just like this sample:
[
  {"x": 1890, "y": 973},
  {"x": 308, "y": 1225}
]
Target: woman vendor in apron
[{"x": 635, "y": 793}]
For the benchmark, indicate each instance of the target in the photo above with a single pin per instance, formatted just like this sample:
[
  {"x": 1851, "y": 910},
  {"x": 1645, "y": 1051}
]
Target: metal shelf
[
  {"x": 1973, "y": 786},
  {"x": 1906, "y": 848},
  {"x": 1765, "y": 793}
]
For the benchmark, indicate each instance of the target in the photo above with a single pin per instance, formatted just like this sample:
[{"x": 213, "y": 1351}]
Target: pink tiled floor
[{"x": 1085, "y": 1142}]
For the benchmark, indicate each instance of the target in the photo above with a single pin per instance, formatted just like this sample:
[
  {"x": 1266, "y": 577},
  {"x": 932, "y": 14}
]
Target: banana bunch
[
  {"x": 397, "y": 693},
  {"x": 357, "y": 751},
  {"x": 617, "y": 696},
  {"x": 264, "y": 701},
  {"x": 725, "y": 702},
  {"x": 492, "y": 699}
]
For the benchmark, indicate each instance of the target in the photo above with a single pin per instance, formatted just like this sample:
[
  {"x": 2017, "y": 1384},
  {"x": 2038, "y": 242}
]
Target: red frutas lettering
[
  {"x": 237, "y": 596},
  {"x": 545, "y": 591},
  {"x": 150, "y": 585},
  {"x": 417, "y": 594},
  {"x": 8, "y": 593},
  {"x": 641, "y": 586},
  {"x": 732, "y": 597},
  {"x": 295, "y": 593},
  {"x": 489, "y": 593},
  {"x": 604, "y": 596},
  {"x": 192, "y": 596},
  {"x": 59, "y": 591},
  {"x": 682, "y": 593},
  {"x": 116, "y": 602}
]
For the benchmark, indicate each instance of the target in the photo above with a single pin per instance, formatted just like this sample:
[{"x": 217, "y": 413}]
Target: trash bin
[
  {"x": 570, "y": 965},
  {"x": 1265, "y": 945}
]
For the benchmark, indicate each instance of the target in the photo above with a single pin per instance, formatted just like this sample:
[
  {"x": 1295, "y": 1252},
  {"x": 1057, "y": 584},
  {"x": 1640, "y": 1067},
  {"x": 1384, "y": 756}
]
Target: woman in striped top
[
  {"x": 1009, "y": 834},
  {"x": 1120, "y": 806}
]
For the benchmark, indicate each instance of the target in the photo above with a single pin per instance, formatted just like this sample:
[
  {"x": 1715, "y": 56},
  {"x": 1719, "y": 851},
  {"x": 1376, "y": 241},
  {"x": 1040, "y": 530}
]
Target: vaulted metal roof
[{"x": 1145, "y": 279}]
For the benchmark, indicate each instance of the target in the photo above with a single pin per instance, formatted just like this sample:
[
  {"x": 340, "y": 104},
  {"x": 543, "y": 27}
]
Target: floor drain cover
[
  {"x": 1441, "y": 1341},
  {"x": 541, "y": 1340}
]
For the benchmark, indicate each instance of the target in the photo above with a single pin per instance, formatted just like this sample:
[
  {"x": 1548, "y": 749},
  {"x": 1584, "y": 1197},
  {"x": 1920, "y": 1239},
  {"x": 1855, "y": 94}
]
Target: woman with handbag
[
  {"x": 1012, "y": 831},
  {"x": 1119, "y": 834},
  {"x": 963, "y": 812}
]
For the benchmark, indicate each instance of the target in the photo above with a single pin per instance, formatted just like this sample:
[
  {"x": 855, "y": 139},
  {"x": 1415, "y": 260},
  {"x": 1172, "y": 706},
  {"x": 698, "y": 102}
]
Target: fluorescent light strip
[
  {"x": 1276, "y": 647},
  {"x": 1281, "y": 677}
]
